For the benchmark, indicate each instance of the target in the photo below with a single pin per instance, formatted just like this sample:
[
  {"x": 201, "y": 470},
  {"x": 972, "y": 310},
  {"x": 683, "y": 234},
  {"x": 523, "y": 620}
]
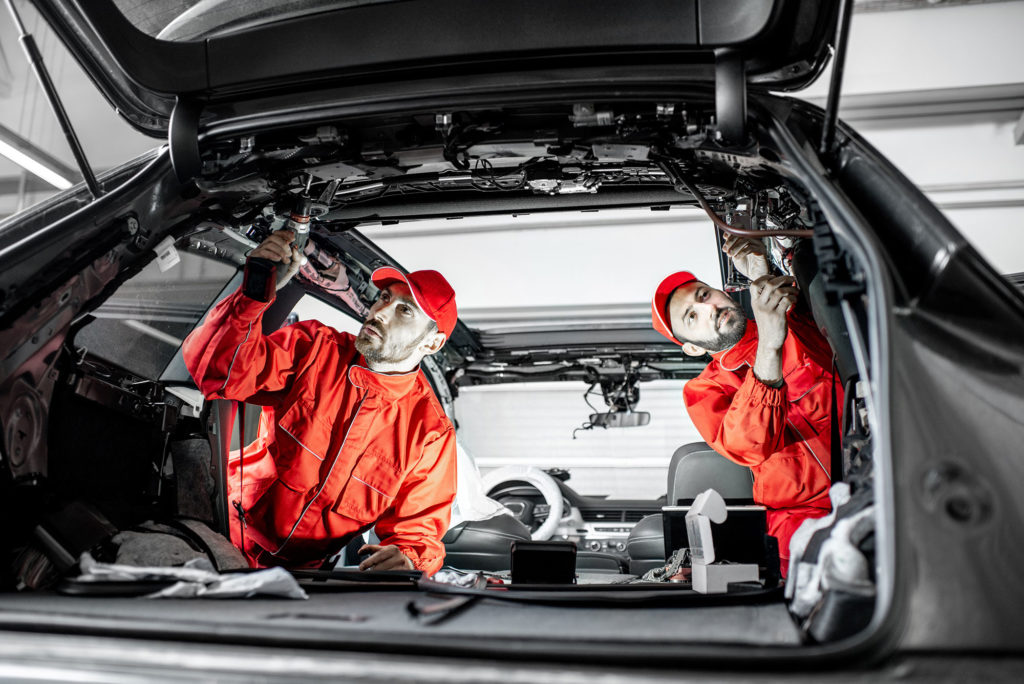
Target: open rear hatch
[{"x": 221, "y": 62}]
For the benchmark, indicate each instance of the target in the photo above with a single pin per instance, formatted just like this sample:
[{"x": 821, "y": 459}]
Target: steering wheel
[{"x": 544, "y": 483}]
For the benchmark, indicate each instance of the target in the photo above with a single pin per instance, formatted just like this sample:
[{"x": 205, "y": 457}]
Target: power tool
[{"x": 262, "y": 275}]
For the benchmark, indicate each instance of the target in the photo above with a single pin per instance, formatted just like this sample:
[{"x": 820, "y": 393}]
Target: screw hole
[{"x": 960, "y": 509}]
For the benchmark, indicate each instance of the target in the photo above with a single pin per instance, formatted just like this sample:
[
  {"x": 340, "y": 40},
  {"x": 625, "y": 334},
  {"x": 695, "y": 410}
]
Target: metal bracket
[
  {"x": 183, "y": 139},
  {"x": 730, "y": 96}
]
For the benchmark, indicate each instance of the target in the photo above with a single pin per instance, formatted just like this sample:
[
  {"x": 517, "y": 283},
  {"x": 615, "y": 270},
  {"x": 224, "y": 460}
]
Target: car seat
[
  {"x": 693, "y": 468},
  {"x": 483, "y": 544}
]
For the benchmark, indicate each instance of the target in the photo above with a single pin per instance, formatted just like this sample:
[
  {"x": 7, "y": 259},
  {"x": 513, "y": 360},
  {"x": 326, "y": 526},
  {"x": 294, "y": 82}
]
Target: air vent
[
  {"x": 636, "y": 516},
  {"x": 601, "y": 515}
]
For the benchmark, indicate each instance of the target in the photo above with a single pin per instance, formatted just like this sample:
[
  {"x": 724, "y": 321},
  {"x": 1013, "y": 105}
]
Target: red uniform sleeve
[
  {"x": 422, "y": 509},
  {"x": 746, "y": 425},
  {"x": 229, "y": 357}
]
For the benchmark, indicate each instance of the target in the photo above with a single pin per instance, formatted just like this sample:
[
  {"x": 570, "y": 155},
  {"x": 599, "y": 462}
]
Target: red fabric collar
[
  {"x": 390, "y": 386},
  {"x": 743, "y": 352}
]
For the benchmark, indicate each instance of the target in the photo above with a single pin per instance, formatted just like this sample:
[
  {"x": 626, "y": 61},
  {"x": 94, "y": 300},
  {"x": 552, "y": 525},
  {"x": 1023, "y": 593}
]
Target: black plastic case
[{"x": 543, "y": 562}]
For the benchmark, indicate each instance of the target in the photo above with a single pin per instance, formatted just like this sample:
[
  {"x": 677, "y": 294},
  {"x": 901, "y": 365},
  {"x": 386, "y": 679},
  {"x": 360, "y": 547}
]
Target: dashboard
[{"x": 595, "y": 523}]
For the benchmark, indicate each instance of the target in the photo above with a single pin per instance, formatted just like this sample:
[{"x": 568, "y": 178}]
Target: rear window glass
[
  {"x": 193, "y": 19},
  {"x": 141, "y": 327}
]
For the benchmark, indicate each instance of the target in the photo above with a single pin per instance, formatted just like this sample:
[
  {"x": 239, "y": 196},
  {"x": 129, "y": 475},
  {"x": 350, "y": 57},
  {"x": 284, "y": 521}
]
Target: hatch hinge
[
  {"x": 730, "y": 96},
  {"x": 183, "y": 139}
]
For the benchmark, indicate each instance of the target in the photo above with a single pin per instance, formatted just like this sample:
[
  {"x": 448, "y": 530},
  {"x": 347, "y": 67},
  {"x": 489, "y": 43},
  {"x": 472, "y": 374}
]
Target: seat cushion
[
  {"x": 595, "y": 561},
  {"x": 483, "y": 544}
]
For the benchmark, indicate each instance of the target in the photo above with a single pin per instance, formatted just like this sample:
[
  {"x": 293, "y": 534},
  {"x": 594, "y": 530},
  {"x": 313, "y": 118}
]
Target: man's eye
[{"x": 405, "y": 309}]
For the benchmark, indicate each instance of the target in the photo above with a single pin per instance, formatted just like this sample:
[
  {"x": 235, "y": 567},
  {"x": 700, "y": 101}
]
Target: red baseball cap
[
  {"x": 659, "y": 305},
  {"x": 432, "y": 293}
]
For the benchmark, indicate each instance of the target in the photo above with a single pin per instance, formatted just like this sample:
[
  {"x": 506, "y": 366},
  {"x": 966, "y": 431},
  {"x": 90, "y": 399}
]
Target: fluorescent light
[{"x": 34, "y": 166}]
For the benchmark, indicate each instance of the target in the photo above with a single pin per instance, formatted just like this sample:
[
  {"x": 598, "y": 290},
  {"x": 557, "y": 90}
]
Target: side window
[
  {"x": 310, "y": 308},
  {"x": 141, "y": 327}
]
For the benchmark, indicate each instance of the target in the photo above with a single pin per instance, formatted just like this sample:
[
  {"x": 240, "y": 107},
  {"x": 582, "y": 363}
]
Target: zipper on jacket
[
  {"x": 809, "y": 448},
  {"x": 326, "y": 478}
]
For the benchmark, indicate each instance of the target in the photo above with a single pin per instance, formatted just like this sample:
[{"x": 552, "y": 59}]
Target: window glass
[
  {"x": 309, "y": 308},
  {"x": 141, "y": 327},
  {"x": 36, "y": 162}
]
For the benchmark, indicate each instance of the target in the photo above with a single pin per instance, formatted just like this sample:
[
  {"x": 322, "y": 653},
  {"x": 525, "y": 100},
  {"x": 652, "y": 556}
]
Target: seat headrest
[{"x": 696, "y": 467}]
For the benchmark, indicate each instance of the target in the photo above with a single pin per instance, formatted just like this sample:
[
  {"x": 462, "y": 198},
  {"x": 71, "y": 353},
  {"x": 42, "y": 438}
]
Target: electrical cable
[{"x": 679, "y": 179}]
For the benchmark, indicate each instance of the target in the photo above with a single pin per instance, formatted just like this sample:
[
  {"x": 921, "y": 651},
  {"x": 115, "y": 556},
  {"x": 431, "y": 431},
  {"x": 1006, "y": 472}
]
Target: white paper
[{"x": 167, "y": 256}]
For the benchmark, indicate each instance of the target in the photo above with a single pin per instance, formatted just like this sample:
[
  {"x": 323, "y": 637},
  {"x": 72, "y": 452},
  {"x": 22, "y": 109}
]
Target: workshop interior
[{"x": 555, "y": 175}]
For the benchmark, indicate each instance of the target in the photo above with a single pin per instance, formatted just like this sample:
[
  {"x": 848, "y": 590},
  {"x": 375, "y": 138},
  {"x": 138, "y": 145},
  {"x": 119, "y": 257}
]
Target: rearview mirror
[{"x": 618, "y": 419}]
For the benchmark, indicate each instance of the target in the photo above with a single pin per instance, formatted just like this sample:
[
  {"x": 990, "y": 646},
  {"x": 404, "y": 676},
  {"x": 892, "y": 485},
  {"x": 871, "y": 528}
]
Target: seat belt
[
  {"x": 241, "y": 468},
  {"x": 836, "y": 447}
]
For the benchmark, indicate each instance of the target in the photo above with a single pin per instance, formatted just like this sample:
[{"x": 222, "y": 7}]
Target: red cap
[
  {"x": 432, "y": 293},
  {"x": 659, "y": 305}
]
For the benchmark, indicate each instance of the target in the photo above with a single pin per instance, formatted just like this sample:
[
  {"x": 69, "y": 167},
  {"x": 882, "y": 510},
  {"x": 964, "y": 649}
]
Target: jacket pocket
[
  {"x": 371, "y": 488},
  {"x": 302, "y": 441},
  {"x": 808, "y": 391},
  {"x": 790, "y": 478}
]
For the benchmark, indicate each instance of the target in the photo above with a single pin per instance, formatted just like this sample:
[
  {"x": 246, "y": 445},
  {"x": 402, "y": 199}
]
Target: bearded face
[
  {"x": 706, "y": 317},
  {"x": 379, "y": 347},
  {"x": 393, "y": 334},
  {"x": 728, "y": 327}
]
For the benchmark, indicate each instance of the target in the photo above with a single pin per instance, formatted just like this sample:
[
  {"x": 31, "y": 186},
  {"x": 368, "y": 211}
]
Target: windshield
[{"x": 533, "y": 424}]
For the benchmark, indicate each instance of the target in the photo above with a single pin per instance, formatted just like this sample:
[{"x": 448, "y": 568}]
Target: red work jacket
[
  {"x": 340, "y": 448},
  {"x": 784, "y": 435}
]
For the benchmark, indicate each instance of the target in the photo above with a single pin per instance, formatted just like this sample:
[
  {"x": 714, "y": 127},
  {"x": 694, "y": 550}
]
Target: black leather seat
[
  {"x": 694, "y": 468},
  {"x": 483, "y": 544},
  {"x": 487, "y": 544}
]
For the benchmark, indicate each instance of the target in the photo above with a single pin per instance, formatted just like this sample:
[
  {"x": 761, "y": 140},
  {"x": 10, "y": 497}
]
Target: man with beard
[
  {"x": 351, "y": 435},
  {"x": 765, "y": 399}
]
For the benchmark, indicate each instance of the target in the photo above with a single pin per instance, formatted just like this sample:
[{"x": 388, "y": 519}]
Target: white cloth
[
  {"x": 196, "y": 579},
  {"x": 840, "y": 565},
  {"x": 471, "y": 501}
]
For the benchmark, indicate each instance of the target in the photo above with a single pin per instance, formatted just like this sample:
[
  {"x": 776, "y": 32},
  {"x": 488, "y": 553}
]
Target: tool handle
[{"x": 260, "y": 280}]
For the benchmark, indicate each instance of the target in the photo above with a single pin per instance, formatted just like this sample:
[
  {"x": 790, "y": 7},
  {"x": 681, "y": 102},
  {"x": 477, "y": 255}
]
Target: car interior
[
  {"x": 115, "y": 470},
  {"x": 131, "y": 446}
]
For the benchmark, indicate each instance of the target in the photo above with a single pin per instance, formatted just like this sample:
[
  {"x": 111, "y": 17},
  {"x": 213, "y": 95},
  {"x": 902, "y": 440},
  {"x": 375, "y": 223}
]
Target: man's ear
[
  {"x": 433, "y": 343},
  {"x": 690, "y": 349}
]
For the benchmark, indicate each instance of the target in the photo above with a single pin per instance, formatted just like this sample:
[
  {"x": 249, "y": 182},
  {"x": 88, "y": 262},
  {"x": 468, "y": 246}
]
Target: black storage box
[{"x": 543, "y": 562}]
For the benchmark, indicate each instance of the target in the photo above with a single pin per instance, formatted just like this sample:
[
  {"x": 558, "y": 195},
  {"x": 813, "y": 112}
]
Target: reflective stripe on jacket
[
  {"x": 341, "y": 448},
  {"x": 782, "y": 434}
]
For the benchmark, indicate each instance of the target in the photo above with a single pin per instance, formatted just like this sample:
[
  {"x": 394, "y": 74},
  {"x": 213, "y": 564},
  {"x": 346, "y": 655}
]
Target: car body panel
[{"x": 783, "y": 43}]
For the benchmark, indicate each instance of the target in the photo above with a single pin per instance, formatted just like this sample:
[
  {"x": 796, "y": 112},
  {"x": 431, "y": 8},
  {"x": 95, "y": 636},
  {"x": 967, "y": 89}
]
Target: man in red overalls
[
  {"x": 351, "y": 435},
  {"x": 765, "y": 399}
]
